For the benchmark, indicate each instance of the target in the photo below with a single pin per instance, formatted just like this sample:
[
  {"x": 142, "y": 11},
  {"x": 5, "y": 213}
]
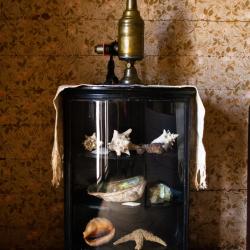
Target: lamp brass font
[{"x": 130, "y": 47}]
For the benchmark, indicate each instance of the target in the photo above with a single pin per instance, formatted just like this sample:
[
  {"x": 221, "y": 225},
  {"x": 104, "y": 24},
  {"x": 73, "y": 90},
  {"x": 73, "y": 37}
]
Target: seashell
[
  {"x": 120, "y": 142},
  {"x": 166, "y": 138},
  {"x": 98, "y": 231},
  {"x": 126, "y": 190},
  {"x": 131, "y": 204},
  {"x": 160, "y": 193},
  {"x": 90, "y": 143}
]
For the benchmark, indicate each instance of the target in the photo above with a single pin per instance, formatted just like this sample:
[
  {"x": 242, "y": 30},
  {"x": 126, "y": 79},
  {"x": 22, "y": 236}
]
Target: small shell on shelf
[
  {"x": 90, "y": 143},
  {"x": 126, "y": 190},
  {"x": 160, "y": 193},
  {"x": 166, "y": 138},
  {"x": 98, "y": 231},
  {"x": 120, "y": 142},
  {"x": 131, "y": 204}
]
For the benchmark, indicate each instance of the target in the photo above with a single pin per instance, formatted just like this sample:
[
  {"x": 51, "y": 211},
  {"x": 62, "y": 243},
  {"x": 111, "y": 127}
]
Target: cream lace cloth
[{"x": 57, "y": 152}]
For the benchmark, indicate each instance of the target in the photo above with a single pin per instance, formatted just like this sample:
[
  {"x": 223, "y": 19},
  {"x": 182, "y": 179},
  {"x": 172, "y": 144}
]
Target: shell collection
[
  {"x": 121, "y": 143},
  {"x": 98, "y": 231}
]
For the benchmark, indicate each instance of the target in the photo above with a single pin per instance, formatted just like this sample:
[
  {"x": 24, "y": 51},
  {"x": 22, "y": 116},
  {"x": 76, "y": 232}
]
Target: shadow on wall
[
  {"x": 166, "y": 62},
  {"x": 212, "y": 225}
]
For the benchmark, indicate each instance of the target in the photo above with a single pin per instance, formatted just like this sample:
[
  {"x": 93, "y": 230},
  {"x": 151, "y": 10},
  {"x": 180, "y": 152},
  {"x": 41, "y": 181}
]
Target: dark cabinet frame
[{"x": 185, "y": 95}]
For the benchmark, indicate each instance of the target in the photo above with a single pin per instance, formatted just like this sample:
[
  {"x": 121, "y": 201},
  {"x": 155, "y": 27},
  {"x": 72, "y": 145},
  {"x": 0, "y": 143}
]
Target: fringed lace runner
[{"x": 57, "y": 152}]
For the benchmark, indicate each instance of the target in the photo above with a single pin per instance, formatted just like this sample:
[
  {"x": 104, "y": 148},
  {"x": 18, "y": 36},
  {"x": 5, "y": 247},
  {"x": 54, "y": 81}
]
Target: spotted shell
[{"x": 90, "y": 143}]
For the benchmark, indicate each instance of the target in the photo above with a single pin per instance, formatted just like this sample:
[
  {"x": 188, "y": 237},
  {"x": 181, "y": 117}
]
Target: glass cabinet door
[{"x": 128, "y": 173}]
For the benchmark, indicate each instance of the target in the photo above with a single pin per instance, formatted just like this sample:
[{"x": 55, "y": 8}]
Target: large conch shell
[
  {"x": 120, "y": 142},
  {"x": 90, "y": 143},
  {"x": 166, "y": 138},
  {"x": 126, "y": 190},
  {"x": 98, "y": 231}
]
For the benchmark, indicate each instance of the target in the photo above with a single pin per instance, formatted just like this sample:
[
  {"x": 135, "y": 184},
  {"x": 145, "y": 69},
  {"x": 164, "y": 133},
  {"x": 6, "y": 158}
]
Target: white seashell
[
  {"x": 131, "y": 204},
  {"x": 166, "y": 138},
  {"x": 120, "y": 142}
]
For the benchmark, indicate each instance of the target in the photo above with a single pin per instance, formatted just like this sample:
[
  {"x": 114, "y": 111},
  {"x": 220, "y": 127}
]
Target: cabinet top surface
[{"x": 131, "y": 90}]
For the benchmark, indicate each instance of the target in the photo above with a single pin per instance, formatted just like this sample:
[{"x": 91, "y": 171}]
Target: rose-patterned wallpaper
[{"x": 44, "y": 44}]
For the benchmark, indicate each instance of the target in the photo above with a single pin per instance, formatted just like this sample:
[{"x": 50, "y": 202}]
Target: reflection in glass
[{"x": 139, "y": 186}]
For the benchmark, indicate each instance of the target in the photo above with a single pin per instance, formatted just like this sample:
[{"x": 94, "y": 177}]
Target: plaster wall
[{"x": 44, "y": 44}]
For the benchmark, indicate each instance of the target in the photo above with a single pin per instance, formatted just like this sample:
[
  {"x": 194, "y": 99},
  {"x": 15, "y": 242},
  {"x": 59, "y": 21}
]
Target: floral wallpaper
[{"x": 44, "y": 44}]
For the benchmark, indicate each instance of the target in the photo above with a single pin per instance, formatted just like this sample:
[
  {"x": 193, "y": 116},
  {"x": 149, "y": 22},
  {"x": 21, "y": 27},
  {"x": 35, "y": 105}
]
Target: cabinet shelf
[
  {"x": 126, "y": 219},
  {"x": 113, "y": 156},
  {"x": 110, "y": 156},
  {"x": 82, "y": 198}
]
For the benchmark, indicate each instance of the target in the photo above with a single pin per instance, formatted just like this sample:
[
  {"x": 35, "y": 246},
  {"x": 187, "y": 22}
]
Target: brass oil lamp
[
  {"x": 131, "y": 41},
  {"x": 130, "y": 46}
]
